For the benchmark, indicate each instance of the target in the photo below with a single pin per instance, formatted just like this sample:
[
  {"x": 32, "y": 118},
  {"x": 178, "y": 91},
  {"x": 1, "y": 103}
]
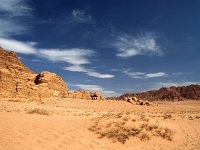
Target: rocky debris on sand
[
  {"x": 86, "y": 95},
  {"x": 137, "y": 101}
]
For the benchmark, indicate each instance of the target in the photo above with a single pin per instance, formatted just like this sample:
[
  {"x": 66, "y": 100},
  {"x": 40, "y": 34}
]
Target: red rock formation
[
  {"x": 17, "y": 81},
  {"x": 9, "y": 60}
]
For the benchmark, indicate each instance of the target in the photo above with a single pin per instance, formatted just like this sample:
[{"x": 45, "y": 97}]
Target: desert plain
[
  {"x": 77, "y": 124},
  {"x": 39, "y": 112}
]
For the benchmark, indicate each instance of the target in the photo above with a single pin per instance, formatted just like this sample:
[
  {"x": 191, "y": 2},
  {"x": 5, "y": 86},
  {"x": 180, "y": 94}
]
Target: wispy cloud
[
  {"x": 181, "y": 73},
  {"x": 76, "y": 57},
  {"x": 143, "y": 75},
  {"x": 82, "y": 16},
  {"x": 128, "y": 46},
  {"x": 14, "y": 7},
  {"x": 75, "y": 68},
  {"x": 18, "y": 46},
  {"x": 93, "y": 73},
  {"x": 10, "y": 27},
  {"x": 96, "y": 88},
  {"x": 89, "y": 87},
  {"x": 12, "y": 12},
  {"x": 89, "y": 72}
]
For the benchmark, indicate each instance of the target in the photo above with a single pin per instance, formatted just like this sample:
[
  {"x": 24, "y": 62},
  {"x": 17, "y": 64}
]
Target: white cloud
[
  {"x": 82, "y": 16},
  {"x": 14, "y": 7},
  {"x": 89, "y": 72},
  {"x": 11, "y": 19},
  {"x": 99, "y": 75},
  {"x": 17, "y": 46},
  {"x": 9, "y": 27},
  {"x": 156, "y": 75},
  {"x": 181, "y": 73},
  {"x": 96, "y": 88},
  {"x": 76, "y": 68},
  {"x": 75, "y": 57},
  {"x": 72, "y": 56},
  {"x": 89, "y": 87},
  {"x": 128, "y": 46},
  {"x": 142, "y": 75}
]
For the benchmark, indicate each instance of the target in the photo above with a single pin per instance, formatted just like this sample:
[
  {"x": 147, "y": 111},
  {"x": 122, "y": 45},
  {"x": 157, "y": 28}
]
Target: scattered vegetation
[
  {"x": 40, "y": 111},
  {"x": 190, "y": 117},
  {"x": 144, "y": 118},
  {"x": 197, "y": 117},
  {"x": 14, "y": 100},
  {"x": 120, "y": 128},
  {"x": 167, "y": 116}
]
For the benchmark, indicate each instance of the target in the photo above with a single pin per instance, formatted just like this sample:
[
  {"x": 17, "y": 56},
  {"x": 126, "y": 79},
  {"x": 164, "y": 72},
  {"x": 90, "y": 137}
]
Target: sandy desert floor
[{"x": 80, "y": 124}]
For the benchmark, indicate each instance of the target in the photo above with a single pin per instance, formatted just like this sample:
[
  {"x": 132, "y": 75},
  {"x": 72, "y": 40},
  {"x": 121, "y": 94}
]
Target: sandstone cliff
[{"x": 17, "y": 81}]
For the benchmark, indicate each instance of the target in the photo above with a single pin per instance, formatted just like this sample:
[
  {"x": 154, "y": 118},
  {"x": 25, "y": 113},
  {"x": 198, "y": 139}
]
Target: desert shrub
[
  {"x": 128, "y": 112},
  {"x": 197, "y": 117},
  {"x": 119, "y": 115},
  {"x": 133, "y": 119},
  {"x": 126, "y": 118},
  {"x": 144, "y": 118},
  {"x": 165, "y": 133},
  {"x": 167, "y": 116},
  {"x": 190, "y": 117},
  {"x": 40, "y": 111},
  {"x": 144, "y": 136},
  {"x": 123, "y": 128}
]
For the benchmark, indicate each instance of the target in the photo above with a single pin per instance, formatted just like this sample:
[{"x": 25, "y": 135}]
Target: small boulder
[
  {"x": 141, "y": 102},
  {"x": 135, "y": 99},
  {"x": 147, "y": 103}
]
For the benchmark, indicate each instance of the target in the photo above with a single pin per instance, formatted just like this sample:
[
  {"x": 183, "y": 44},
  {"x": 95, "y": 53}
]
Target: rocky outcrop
[
  {"x": 191, "y": 92},
  {"x": 17, "y": 81},
  {"x": 88, "y": 95},
  {"x": 9, "y": 60}
]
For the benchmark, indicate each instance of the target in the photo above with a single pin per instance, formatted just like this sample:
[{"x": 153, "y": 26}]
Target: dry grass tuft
[
  {"x": 165, "y": 133},
  {"x": 190, "y": 117},
  {"x": 144, "y": 118},
  {"x": 40, "y": 111},
  {"x": 197, "y": 117},
  {"x": 144, "y": 136},
  {"x": 120, "y": 129},
  {"x": 167, "y": 116}
]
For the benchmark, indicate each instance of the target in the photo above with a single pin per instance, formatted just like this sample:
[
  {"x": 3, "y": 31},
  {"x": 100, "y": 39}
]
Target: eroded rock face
[
  {"x": 86, "y": 95},
  {"x": 17, "y": 81},
  {"x": 9, "y": 60},
  {"x": 50, "y": 85}
]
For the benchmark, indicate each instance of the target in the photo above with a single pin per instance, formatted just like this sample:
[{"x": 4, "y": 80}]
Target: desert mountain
[
  {"x": 191, "y": 92},
  {"x": 18, "y": 82}
]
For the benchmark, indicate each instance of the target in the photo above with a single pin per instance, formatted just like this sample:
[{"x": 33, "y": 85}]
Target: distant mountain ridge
[{"x": 191, "y": 92}]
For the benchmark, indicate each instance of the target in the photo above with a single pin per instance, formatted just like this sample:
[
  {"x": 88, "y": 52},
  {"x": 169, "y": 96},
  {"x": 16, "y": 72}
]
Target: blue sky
[{"x": 110, "y": 46}]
